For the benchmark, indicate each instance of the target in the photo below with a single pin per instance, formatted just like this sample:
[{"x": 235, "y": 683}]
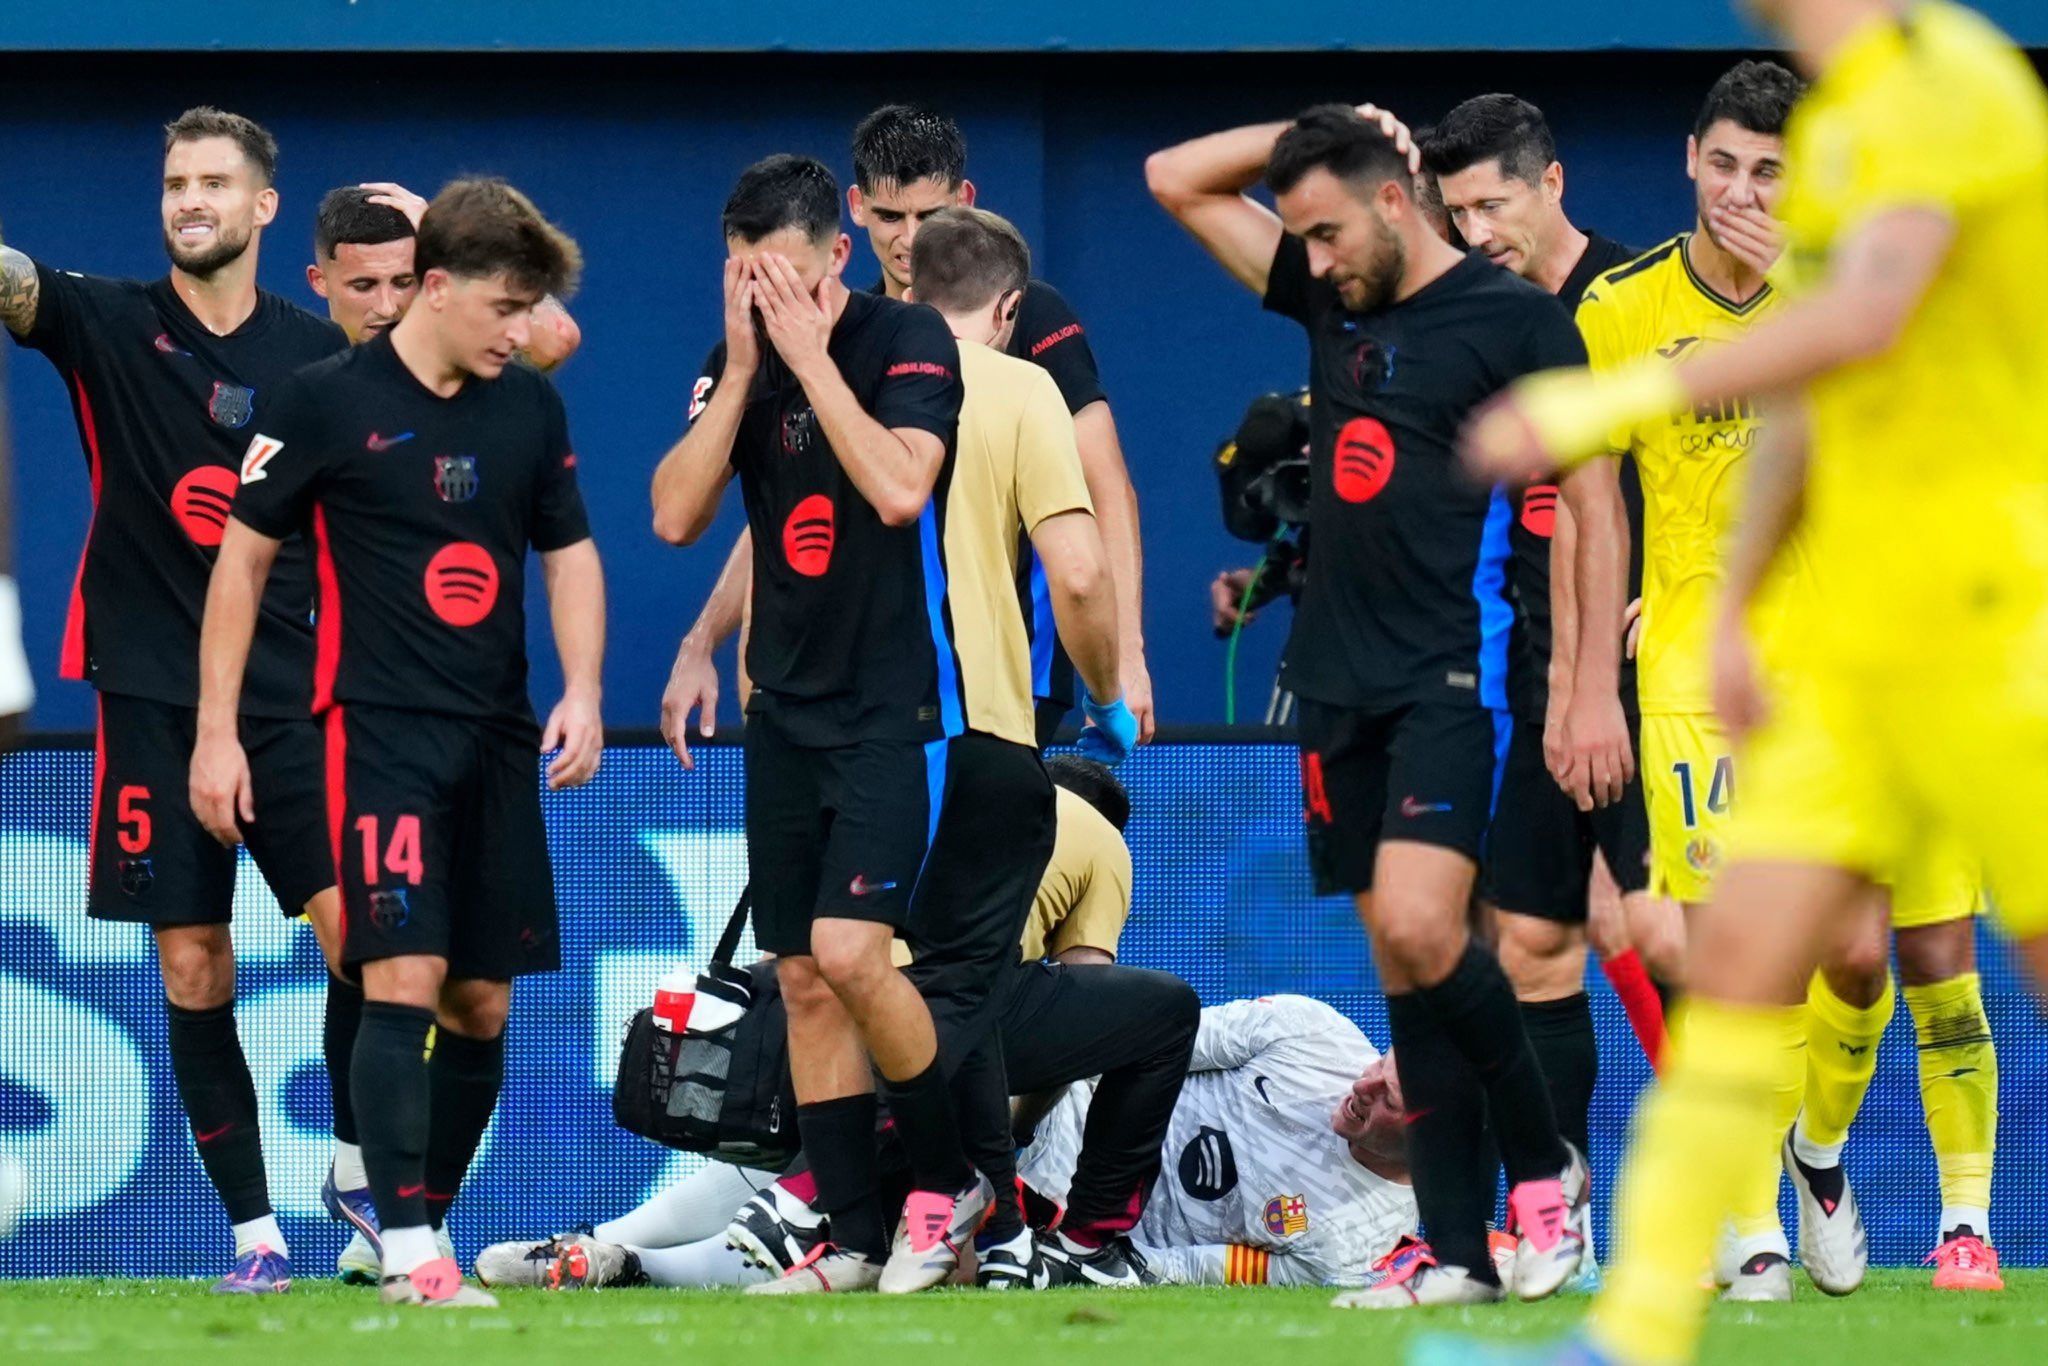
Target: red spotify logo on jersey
[
  {"x": 462, "y": 583},
  {"x": 807, "y": 536},
  {"x": 1539, "y": 510},
  {"x": 1365, "y": 459},
  {"x": 201, "y": 503}
]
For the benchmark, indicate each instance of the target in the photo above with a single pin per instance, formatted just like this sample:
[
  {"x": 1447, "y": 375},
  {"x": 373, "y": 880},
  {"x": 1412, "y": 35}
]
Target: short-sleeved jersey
[
  {"x": 1250, "y": 1161},
  {"x": 1535, "y": 514},
  {"x": 1692, "y": 465},
  {"x": 1406, "y": 599},
  {"x": 420, "y": 510},
  {"x": 850, "y": 634},
  {"x": 1050, "y": 336},
  {"x": 1927, "y": 491},
  {"x": 1015, "y": 465},
  {"x": 164, "y": 409},
  {"x": 1084, "y": 898}
]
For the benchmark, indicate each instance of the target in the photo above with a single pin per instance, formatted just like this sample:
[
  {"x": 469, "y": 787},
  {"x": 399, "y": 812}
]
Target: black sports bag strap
[{"x": 729, "y": 942}]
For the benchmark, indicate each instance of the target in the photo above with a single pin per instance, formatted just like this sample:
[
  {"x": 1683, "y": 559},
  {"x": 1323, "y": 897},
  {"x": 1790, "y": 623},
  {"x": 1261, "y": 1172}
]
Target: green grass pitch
[{"x": 1895, "y": 1318}]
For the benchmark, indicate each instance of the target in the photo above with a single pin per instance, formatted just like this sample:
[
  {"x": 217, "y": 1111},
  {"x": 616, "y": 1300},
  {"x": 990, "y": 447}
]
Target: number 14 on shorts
[
  {"x": 400, "y": 855},
  {"x": 1720, "y": 792}
]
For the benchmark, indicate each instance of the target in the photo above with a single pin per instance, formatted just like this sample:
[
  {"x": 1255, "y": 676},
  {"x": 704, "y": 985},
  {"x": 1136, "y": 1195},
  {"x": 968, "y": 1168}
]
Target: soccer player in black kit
[
  {"x": 1495, "y": 163},
  {"x": 167, "y": 379},
  {"x": 839, "y": 412},
  {"x": 1399, "y": 647},
  {"x": 423, "y": 465},
  {"x": 909, "y": 163}
]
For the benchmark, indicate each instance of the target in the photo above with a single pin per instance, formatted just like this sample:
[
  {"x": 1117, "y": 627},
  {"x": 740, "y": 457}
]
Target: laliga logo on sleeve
[
  {"x": 700, "y": 394},
  {"x": 807, "y": 536},
  {"x": 1365, "y": 459},
  {"x": 201, "y": 502},
  {"x": 462, "y": 583}
]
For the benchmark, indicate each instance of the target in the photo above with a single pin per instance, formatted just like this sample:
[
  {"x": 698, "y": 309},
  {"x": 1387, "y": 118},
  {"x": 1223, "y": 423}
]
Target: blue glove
[{"x": 1113, "y": 733}]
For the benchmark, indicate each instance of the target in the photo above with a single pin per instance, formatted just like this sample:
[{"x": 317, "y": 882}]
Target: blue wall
[
  {"x": 985, "y": 25},
  {"x": 635, "y": 154},
  {"x": 648, "y": 861}
]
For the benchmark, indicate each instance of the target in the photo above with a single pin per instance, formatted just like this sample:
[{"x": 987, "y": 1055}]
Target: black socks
[{"x": 220, "y": 1100}]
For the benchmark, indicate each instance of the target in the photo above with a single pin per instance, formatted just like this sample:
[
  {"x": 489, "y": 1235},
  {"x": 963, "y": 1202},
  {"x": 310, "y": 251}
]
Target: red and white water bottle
[{"x": 675, "y": 996}]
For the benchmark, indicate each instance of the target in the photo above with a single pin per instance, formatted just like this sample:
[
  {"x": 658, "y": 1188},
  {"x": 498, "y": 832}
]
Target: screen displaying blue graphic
[{"x": 649, "y": 860}]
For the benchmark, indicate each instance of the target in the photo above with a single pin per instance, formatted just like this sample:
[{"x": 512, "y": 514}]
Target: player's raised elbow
[{"x": 1167, "y": 181}]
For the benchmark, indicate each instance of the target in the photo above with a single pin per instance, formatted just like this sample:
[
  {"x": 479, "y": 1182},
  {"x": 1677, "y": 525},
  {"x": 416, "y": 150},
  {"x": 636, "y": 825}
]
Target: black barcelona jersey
[
  {"x": 1406, "y": 599},
  {"x": 421, "y": 510},
  {"x": 164, "y": 410},
  {"x": 851, "y": 633}
]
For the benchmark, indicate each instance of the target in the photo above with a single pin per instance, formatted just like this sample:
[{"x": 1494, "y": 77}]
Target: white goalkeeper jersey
[{"x": 1253, "y": 1185}]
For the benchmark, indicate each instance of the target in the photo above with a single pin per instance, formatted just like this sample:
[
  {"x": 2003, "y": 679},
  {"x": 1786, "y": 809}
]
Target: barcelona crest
[
  {"x": 1286, "y": 1215},
  {"x": 232, "y": 405}
]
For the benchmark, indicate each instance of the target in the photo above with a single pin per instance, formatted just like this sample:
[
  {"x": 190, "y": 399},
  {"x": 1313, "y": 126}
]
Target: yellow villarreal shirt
[
  {"x": 1692, "y": 465},
  {"x": 1927, "y": 501},
  {"x": 1016, "y": 464}
]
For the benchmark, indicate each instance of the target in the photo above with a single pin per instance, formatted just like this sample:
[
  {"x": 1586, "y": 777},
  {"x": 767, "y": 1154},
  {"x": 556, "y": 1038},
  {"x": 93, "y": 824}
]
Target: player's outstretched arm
[
  {"x": 691, "y": 478},
  {"x": 20, "y": 292},
  {"x": 1599, "y": 753},
  {"x": 1774, "y": 500},
  {"x": 575, "y": 582},
  {"x": 693, "y": 679},
  {"x": 219, "y": 782},
  {"x": 1116, "y": 517},
  {"x": 1875, "y": 284},
  {"x": 1202, "y": 184}
]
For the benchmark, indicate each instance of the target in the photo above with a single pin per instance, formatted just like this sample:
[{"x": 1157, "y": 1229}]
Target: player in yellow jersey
[
  {"x": 1917, "y": 700},
  {"x": 1706, "y": 288}
]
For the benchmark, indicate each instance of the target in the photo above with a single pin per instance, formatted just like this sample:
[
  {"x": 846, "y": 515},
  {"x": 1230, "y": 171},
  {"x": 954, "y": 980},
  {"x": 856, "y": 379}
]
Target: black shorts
[
  {"x": 837, "y": 831},
  {"x": 1048, "y": 716},
  {"x": 995, "y": 837},
  {"x": 1426, "y": 772},
  {"x": 151, "y": 861},
  {"x": 439, "y": 843},
  {"x": 1539, "y": 854}
]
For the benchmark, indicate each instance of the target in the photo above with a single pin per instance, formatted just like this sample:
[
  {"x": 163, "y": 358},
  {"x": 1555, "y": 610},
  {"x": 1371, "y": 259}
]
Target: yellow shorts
[
  {"x": 1689, "y": 785},
  {"x": 1689, "y": 781},
  {"x": 1934, "y": 785}
]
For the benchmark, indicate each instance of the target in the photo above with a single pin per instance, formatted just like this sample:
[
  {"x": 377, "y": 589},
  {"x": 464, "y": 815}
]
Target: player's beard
[
  {"x": 1390, "y": 263},
  {"x": 204, "y": 263}
]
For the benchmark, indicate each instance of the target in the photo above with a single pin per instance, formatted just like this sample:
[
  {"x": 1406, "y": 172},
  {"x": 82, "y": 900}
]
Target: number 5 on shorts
[
  {"x": 401, "y": 856},
  {"x": 1720, "y": 792}
]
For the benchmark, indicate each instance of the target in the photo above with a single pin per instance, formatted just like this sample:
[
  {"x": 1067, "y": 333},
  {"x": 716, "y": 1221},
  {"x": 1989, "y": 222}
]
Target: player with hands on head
[{"x": 1399, "y": 642}]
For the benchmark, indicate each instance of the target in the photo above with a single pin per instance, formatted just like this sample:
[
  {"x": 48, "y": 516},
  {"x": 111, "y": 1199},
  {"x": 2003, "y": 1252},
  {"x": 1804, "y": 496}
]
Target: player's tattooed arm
[{"x": 20, "y": 292}]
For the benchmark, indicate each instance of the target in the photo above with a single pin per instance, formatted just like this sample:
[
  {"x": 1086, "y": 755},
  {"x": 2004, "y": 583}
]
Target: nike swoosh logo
[
  {"x": 1259, "y": 1085},
  {"x": 408, "y": 1192},
  {"x": 385, "y": 443},
  {"x": 216, "y": 1133}
]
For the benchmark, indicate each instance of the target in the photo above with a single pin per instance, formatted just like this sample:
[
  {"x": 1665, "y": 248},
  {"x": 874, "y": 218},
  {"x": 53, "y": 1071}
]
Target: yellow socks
[
  {"x": 1841, "y": 1058},
  {"x": 1706, "y": 1136},
  {"x": 1959, "y": 1090},
  {"x": 1754, "y": 1220}
]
